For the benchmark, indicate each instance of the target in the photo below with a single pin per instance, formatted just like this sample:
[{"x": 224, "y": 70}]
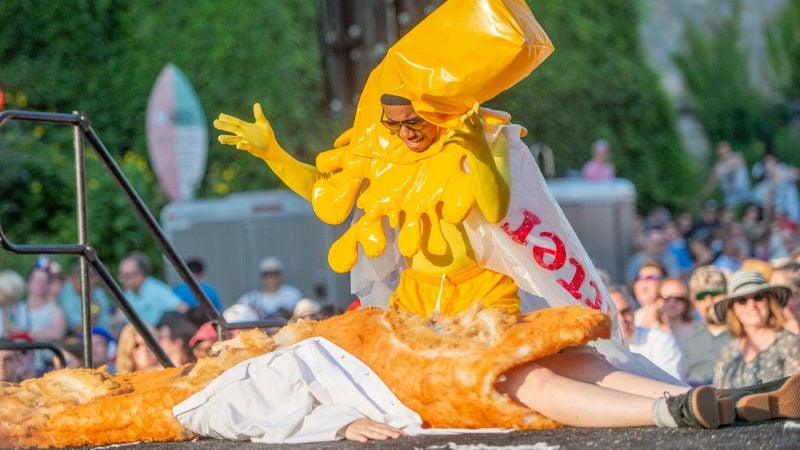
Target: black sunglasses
[
  {"x": 756, "y": 298},
  {"x": 415, "y": 124}
]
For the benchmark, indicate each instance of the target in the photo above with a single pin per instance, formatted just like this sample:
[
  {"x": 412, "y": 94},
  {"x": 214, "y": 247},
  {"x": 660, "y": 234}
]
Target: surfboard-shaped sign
[{"x": 177, "y": 134}]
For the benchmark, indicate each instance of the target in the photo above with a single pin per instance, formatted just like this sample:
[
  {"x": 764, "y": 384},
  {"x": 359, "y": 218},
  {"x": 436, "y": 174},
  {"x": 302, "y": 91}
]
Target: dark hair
[
  {"x": 195, "y": 265},
  {"x": 179, "y": 328},
  {"x": 389, "y": 99},
  {"x": 142, "y": 262}
]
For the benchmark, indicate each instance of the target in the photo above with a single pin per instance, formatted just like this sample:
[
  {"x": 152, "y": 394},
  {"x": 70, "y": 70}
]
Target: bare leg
[
  {"x": 574, "y": 402},
  {"x": 593, "y": 368}
]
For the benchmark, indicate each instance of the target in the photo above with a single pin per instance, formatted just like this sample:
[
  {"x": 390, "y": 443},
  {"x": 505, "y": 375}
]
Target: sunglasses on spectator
[
  {"x": 672, "y": 298},
  {"x": 648, "y": 278},
  {"x": 756, "y": 298},
  {"x": 415, "y": 124},
  {"x": 703, "y": 294}
]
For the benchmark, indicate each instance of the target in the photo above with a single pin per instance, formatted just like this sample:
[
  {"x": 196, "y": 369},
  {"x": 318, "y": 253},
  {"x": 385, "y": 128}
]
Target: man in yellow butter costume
[{"x": 418, "y": 156}]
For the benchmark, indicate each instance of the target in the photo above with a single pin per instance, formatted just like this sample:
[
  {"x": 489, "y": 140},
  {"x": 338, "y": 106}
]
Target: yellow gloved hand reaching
[{"x": 259, "y": 140}]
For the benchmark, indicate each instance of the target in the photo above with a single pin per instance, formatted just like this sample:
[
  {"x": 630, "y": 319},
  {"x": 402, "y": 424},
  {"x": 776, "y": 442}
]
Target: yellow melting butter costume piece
[{"x": 464, "y": 53}]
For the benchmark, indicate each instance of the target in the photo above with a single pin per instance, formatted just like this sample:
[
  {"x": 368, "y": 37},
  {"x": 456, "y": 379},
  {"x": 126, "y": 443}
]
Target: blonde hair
[
  {"x": 125, "y": 346},
  {"x": 12, "y": 285},
  {"x": 774, "y": 322}
]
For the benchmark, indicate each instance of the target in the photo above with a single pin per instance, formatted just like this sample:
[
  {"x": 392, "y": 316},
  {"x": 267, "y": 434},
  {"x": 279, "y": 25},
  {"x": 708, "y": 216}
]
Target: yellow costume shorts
[{"x": 420, "y": 293}]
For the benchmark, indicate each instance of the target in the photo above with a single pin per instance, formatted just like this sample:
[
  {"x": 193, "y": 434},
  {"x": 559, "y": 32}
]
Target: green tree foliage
[
  {"x": 597, "y": 84},
  {"x": 102, "y": 57},
  {"x": 714, "y": 64},
  {"x": 783, "y": 40}
]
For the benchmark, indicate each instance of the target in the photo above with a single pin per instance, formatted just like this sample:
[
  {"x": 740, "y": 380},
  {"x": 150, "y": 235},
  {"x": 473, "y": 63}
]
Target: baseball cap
[
  {"x": 206, "y": 332},
  {"x": 270, "y": 264},
  {"x": 240, "y": 313}
]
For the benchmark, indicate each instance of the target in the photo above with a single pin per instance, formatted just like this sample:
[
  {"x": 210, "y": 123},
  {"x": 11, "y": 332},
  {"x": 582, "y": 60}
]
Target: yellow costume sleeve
[
  {"x": 488, "y": 166},
  {"x": 258, "y": 139}
]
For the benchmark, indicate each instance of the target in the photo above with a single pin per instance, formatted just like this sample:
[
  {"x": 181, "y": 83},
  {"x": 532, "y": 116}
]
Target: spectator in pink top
[{"x": 598, "y": 168}]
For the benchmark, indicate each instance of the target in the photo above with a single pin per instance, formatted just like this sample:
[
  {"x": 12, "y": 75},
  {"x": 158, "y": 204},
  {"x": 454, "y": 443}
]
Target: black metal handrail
[
  {"x": 88, "y": 256},
  {"x": 21, "y": 346}
]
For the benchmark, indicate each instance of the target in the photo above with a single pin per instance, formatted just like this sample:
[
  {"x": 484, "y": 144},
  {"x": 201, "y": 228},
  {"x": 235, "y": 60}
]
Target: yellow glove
[
  {"x": 488, "y": 166},
  {"x": 258, "y": 139}
]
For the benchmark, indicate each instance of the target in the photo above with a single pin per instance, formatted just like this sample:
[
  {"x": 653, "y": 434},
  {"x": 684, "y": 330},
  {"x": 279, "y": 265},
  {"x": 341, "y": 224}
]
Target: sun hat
[
  {"x": 757, "y": 265},
  {"x": 744, "y": 284}
]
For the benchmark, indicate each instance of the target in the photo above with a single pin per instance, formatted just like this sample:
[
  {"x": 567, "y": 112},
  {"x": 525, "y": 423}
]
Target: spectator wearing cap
[
  {"x": 762, "y": 350},
  {"x": 273, "y": 298},
  {"x": 148, "y": 296},
  {"x": 203, "y": 340},
  {"x": 701, "y": 348},
  {"x": 183, "y": 292},
  {"x": 12, "y": 286},
  {"x": 103, "y": 348},
  {"x": 305, "y": 310}
]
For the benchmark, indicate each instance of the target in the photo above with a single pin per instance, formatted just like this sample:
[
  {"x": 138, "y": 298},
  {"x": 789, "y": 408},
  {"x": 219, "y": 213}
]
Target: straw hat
[{"x": 744, "y": 284}]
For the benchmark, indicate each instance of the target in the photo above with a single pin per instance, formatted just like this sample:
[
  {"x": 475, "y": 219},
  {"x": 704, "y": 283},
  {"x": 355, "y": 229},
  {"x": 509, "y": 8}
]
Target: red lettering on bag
[
  {"x": 559, "y": 253},
  {"x": 520, "y": 235},
  {"x": 598, "y": 299},
  {"x": 574, "y": 286}
]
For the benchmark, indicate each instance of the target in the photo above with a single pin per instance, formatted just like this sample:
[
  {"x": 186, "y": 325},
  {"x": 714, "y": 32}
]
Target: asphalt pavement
[{"x": 776, "y": 434}]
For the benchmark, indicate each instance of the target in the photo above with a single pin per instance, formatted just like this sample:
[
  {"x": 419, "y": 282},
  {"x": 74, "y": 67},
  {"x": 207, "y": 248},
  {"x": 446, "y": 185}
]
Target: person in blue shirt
[
  {"x": 184, "y": 293},
  {"x": 148, "y": 296}
]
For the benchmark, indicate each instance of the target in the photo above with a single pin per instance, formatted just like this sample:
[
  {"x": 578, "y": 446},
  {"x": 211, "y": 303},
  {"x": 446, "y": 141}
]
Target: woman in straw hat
[{"x": 763, "y": 350}]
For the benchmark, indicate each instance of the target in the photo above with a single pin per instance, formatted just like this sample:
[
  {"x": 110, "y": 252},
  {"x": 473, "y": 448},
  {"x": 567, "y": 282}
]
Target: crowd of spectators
[
  {"x": 722, "y": 289},
  {"x": 46, "y": 308}
]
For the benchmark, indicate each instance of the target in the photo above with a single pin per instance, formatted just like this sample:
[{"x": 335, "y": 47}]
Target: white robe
[{"x": 302, "y": 393}]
